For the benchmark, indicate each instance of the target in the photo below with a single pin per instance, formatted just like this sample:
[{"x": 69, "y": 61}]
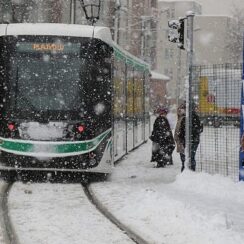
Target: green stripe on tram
[
  {"x": 28, "y": 147},
  {"x": 16, "y": 146},
  {"x": 78, "y": 147}
]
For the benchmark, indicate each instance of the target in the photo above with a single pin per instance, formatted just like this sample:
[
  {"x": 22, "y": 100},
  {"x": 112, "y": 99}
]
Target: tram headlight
[
  {"x": 11, "y": 126},
  {"x": 80, "y": 128},
  {"x": 12, "y": 129},
  {"x": 76, "y": 131}
]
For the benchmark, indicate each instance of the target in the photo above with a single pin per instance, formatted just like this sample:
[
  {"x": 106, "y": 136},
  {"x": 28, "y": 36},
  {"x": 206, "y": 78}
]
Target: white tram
[{"x": 70, "y": 99}]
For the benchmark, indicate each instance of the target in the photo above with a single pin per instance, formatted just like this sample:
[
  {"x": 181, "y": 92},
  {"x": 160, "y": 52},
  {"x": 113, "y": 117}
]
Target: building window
[
  {"x": 172, "y": 13},
  {"x": 170, "y": 74},
  {"x": 166, "y": 53},
  {"x": 168, "y": 14},
  {"x": 166, "y": 34}
]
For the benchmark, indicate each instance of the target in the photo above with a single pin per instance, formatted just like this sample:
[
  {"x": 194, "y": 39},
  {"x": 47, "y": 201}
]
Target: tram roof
[
  {"x": 130, "y": 59},
  {"x": 55, "y": 29},
  {"x": 52, "y": 29}
]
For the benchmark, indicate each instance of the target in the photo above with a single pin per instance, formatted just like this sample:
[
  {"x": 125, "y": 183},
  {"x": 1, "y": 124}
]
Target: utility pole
[{"x": 190, "y": 24}]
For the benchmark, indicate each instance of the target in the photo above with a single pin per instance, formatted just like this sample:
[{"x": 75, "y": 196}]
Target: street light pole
[
  {"x": 142, "y": 37},
  {"x": 72, "y": 11},
  {"x": 116, "y": 21},
  {"x": 190, "y": 24}
]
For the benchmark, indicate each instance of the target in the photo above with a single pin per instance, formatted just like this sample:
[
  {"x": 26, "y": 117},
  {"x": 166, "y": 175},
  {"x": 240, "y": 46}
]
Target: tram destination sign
[{"x": 38, "y": 47}]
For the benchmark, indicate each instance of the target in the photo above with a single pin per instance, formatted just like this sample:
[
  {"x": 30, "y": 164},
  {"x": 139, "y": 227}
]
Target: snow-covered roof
[
  {"x": 51, "y": 29},
  {"x": 213, "y": 16},
  {"x": 159, "y": 76},
  {"x": 128, "y": 56}
]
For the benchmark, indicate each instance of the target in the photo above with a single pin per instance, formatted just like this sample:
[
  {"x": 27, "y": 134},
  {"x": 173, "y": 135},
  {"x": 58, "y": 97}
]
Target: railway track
[
  {"x": 102, "y": 209},
  {"x": 9, "y": 235},
  {"x": 20, "y": 213}
]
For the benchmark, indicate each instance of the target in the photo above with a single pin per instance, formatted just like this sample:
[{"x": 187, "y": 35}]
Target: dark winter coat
[
  {"x": 162, "y": 135},
  {"x": 197, "y": 129}
]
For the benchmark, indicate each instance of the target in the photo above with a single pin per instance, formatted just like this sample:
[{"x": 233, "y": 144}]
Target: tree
[{"x": 235, "y": 40}]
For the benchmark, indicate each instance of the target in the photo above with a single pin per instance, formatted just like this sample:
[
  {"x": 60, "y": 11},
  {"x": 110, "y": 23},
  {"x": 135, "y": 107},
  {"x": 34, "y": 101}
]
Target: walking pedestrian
[{"x": 162, "y": 138}]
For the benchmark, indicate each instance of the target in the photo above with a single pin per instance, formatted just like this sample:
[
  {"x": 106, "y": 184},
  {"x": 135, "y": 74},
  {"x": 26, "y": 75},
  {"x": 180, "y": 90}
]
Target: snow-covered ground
[
  {"x": 168, "y": 207},
  {"x": 160, "y": 204}
]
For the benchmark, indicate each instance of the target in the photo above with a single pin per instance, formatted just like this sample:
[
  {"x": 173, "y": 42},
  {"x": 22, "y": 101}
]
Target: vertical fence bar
[{"x": 226, "y": 118}]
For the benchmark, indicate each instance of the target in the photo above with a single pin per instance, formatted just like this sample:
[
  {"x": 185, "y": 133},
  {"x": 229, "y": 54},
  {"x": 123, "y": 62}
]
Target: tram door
[
  {"x": 119, "y": 109},
  {"x": 130, "y": 108},
  {"x": 138, "y": 108}
]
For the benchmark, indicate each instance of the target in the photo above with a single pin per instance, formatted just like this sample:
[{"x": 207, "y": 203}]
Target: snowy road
[{"x": 159, "y": 204}]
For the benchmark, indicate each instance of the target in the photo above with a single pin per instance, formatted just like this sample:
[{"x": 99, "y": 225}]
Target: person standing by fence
[{"x": 179, "y": 135}]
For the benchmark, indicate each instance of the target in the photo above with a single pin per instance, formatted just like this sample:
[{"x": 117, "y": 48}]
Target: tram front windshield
[
  {"x": 47, "y": 82},
  {"x": 54, "y": 74}
]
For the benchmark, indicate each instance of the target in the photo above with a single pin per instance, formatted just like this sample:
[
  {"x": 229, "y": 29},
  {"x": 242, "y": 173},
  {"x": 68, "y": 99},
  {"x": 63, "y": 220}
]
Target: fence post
[{"x": 241, "y": 153}]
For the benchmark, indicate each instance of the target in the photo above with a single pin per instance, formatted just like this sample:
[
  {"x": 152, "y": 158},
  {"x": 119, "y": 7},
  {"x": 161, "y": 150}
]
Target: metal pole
[
  {"x": 190, "y": 23},
  {"x": 72, "y": 11},
  {"x": 142, "y": 37},
  {"x": 117, "y": 9},
  {"x": 116, "y": 25},
  {"x": 178, "y": 85}
]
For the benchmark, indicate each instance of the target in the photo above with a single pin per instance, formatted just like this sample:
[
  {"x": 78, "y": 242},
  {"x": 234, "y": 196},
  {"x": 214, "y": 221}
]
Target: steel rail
[
  {"x": 102, "y": 209},
  {"x": 9, "y": 233}
]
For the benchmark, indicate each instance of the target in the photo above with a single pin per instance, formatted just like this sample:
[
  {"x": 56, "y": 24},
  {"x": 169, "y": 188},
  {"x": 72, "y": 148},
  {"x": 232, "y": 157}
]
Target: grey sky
[{"x": 218, "y": 7}]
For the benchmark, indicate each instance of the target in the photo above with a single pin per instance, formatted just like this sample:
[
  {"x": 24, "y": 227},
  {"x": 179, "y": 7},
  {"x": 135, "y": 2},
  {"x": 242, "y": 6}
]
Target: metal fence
[{"x": 217, "y": 91}]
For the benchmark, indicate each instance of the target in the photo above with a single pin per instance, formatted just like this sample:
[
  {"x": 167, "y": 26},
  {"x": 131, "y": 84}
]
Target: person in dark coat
[
  {"x": 162, "y": 138},
  {"x": 179, "y": 136}
]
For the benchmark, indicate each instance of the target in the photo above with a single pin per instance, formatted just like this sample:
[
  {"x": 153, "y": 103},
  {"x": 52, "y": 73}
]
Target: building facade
[{"x": 212, "y": 44}]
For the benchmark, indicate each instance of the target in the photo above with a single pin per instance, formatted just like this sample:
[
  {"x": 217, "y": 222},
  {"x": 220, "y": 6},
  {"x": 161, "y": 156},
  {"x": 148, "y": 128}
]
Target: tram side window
[
  {"x": 147, "y": 93},
  {"x": 130, "y": 92},
  {"x": 119, "y": 90},
  {"x": 138, "y": 94}
]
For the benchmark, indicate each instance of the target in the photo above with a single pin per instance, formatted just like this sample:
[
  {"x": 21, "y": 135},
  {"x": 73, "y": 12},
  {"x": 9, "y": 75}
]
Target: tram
[{"x": 71, "y": 100}]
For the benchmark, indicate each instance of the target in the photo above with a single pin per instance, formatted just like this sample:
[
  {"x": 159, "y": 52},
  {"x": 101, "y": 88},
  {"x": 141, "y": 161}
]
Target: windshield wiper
[{"x": 27, "y": 102}]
